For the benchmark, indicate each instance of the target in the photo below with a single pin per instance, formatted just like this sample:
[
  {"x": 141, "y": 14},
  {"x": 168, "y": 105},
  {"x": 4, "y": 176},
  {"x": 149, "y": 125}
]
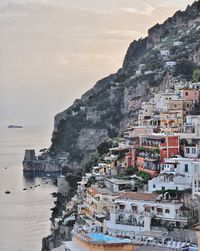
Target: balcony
[
  {"x": 131, "y": 212},
  {"x": 150, "y": 143},
  {"x": 128, "y": 223}
]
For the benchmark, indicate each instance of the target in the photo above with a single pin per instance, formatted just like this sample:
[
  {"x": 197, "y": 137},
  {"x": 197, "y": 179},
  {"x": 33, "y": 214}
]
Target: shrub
[
  {"x": 184, "y": 68},
  {"x": 196, "y": 75},
  {"x": 104, "y": 147},
  {"x": 131, "y": 170}
]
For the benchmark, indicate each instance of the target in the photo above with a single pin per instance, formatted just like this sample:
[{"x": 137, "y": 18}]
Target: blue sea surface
[{"x": 24, "y": 215}]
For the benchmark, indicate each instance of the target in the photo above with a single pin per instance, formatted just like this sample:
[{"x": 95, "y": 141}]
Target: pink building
[{"x": 190, "y": 94}]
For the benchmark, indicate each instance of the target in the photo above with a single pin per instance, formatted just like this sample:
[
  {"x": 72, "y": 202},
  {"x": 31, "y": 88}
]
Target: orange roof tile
[
  {"x": 93, "y": 192},
  {"x": 137, "y": 196}
]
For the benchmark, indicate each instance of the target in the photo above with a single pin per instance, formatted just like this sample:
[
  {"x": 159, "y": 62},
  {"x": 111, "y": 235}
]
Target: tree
[
  {"x": 131, "y": 170},
  {"x": 196, "y": 75},
  {"x": 184, "y": 68},
  {"x": 104, "y": 147}
]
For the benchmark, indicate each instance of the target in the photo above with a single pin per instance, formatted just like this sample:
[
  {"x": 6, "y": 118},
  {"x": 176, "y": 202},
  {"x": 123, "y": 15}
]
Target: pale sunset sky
[{"x": 52, "y": 51}]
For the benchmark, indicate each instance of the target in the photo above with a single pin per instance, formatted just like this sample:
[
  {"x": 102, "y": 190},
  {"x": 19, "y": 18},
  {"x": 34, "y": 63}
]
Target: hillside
[{"x": 170, "y": 52}]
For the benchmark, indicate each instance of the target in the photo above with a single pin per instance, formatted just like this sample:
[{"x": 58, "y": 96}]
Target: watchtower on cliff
[{"x": 29, "y": 155}]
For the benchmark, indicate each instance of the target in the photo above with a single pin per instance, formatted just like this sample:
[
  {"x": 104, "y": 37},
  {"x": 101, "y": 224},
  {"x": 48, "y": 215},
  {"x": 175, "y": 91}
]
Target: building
[
  {"x": 165, "y": 53},
  {"x": 191, "y": 148},
  {"x": 177, "y": 43},
  {"x": 162, "y": 100},
  {"x": 152, "y": 150},
  {"x": 118, "y": 185},
  {"x": 171, "y": 120},
  {"x": 190, "y": 94},
  {"x": 138, "y": 212},
  {"x": 168, "y": 145},
  {"x": 170, "y": 64},
  {"x": 98, "y": 200},
  {"x": 145, "y": 114},
  {"x": 176, "y": 174}
]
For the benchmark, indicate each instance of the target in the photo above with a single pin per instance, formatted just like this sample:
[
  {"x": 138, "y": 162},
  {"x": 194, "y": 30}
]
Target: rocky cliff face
[{"x": 114, "y": 101}]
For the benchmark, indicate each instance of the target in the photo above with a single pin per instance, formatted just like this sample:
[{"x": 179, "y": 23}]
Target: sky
[{"x": 52, "y": 51}]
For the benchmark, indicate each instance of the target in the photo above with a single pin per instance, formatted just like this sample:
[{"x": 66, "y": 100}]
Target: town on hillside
[{"x": 145, "y": 190}]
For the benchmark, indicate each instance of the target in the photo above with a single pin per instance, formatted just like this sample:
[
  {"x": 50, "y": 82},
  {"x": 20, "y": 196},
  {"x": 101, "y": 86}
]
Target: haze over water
[{"x": 24, "y": 215}]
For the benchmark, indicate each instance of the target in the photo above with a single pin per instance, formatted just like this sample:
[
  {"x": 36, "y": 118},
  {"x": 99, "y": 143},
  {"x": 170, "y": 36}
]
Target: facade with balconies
[
  {"x": 171, "y": 120},
  {"x": 136, "y": 212},
  {"x": 176, "y": 174}
]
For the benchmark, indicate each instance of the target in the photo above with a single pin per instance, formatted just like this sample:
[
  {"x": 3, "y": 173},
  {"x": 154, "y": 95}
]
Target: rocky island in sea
[
  {"x": 15, "y": 126},
  {"x": 129, "y": 150}
]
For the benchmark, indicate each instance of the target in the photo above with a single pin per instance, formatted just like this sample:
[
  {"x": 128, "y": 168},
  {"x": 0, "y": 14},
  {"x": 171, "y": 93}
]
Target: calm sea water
[{"x": 24, "y": 215}]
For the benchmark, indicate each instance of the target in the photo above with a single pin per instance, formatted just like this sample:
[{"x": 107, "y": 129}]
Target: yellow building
[{"x": 172, "y": 117}]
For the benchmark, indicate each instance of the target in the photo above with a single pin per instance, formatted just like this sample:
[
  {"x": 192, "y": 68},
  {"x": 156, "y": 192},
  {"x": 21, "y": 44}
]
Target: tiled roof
[
  {"x": 93, "y": 192},
  {"x": 137, "y": 196}
]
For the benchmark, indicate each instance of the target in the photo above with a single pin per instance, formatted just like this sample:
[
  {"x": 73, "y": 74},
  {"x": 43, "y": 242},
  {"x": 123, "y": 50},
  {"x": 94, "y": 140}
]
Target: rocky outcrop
[{"x": 37, "y": 165}]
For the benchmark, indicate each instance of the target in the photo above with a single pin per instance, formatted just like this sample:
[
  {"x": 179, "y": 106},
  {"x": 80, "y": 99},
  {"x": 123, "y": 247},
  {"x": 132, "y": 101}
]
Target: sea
[{"x": 24, "y": 214}]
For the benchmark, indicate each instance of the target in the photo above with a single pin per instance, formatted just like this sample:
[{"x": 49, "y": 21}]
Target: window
[
  {"x": 159, "y": 210},
  {"x": 186, "y": 94},
  {"x": 187, "y": 150},
  {"x": 167, "y": 211},
  {"x": 121, "y": 206},
  {"x": 134, "y": 208},
  {"x": 175, "y": 105},
  {"x": 186, "y": 168},
  {"x": 154, "y": 186},
  {"x": 193, "y": 150}
]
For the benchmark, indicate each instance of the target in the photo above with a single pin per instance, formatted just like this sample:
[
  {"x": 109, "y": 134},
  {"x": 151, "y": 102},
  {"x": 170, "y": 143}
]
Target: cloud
[
  {"x": 145, "y": 9},
  {"x": 123, "y": 33},
  {"x": 93, "y": 11}
]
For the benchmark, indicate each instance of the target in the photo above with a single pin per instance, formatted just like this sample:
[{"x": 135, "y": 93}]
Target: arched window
[
  {"x": 134, "y": 208},
  {"x": 121, "y": 218},
  {"x": 167, "y": 211}
]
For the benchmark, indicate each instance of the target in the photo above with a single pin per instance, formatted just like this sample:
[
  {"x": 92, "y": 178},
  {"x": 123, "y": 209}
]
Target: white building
[
  {"x": 148, "y": 72},
  {"x": 176, "y": 174},
  {"x": 134, "y": 211},
  {"x": 170, "y": 63},
  {"x": 196, "y": 181},
  {"x": 178, "y": 43},
  {"x": 195, "y": 86},
  {"x": 162, "y": 99},
  {"x": 165, "y": 53},
  {"x": 193, "y": 120},
  {"x": 192, "y": 151},
  {"x": 101, "y": 169}
]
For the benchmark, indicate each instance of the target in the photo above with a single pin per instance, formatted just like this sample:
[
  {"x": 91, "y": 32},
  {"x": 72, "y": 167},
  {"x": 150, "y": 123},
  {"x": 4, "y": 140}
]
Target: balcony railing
[
  {"x": 128, "y": 223},
  {"x": 125, "y": 211}
]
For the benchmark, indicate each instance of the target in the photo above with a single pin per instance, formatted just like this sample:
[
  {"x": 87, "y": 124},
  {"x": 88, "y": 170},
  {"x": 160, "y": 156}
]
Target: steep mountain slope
[{"x": 113, "y": 103}]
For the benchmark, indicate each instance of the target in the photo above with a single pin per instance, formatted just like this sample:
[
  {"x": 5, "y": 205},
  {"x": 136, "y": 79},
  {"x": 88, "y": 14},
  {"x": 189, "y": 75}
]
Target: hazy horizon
[{"x": 52, "y": 51}]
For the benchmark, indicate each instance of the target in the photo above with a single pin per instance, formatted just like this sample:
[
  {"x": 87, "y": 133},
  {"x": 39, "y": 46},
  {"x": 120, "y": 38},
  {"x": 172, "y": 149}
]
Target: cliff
[
  {"x": 169, "y": 53},
  {"x": 113, "y": 103}
]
